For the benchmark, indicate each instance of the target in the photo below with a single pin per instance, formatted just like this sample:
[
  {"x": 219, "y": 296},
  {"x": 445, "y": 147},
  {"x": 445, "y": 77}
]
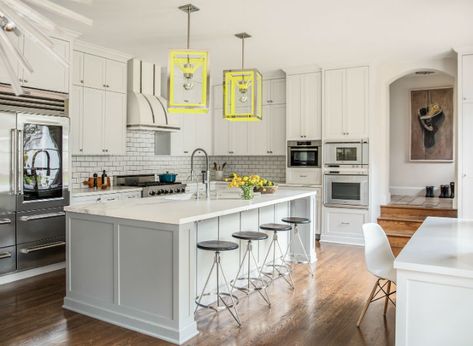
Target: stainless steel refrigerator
[{"x": 34, "y": 179}]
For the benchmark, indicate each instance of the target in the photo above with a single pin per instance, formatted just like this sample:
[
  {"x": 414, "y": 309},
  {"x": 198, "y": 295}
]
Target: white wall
[
  {"x": 410, "y": 178},
  {"x": 382, "y": 75}
]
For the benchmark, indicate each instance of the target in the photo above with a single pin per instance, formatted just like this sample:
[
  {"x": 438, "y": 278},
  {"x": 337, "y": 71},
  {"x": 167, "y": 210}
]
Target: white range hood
[{"x": 147, "y": 109}]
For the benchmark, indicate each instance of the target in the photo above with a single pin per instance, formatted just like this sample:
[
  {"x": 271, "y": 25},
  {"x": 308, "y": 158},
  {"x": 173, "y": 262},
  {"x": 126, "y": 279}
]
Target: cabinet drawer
[
  {"x": 38, "y": 254},
  {"x": 7, "y": 259},
  {"x": 130, "y": 195},
  {"x": 40, "y": 224},
  {"x": 344, "y": 222},
  {"x": 307, "y": 176},
  {"x": 7, "y": 230},
  {"x": 106, "y": 197}
]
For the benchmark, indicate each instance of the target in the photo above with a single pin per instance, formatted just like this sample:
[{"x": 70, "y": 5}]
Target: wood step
[
  {"x": 409, "y": 210},
  {"x": 392, "y": 223},
  {"x": 398, "y": 241}
]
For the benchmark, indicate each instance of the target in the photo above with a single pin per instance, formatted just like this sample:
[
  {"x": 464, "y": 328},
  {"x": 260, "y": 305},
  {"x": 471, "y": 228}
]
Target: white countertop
[
  {"x": 112, "y": 189},
  {"x": 157, "y": 209},
  {"x": 441, "y": 246}
]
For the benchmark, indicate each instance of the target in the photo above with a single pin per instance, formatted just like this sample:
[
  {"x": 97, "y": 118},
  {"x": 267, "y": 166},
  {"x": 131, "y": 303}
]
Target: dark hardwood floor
[{"x": 321, "y": 311}]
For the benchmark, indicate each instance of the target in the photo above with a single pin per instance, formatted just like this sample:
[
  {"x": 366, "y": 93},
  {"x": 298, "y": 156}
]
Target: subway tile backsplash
[{"x": 140, "y": 159}]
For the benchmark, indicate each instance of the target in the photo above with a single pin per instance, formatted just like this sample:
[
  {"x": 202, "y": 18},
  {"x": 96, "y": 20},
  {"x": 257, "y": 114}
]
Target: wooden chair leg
[
  {"x": 387, "y": 298},
  {"x": 368, "y": 301}
]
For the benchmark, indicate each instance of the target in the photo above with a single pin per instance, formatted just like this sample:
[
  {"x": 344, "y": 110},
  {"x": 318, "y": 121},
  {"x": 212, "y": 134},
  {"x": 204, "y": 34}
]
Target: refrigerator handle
[
  {"x": 13, "y": 168},
  {"x": 19, "y": 170}
]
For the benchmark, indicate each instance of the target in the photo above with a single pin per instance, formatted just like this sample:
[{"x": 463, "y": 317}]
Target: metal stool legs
[
  {"x": 282, "y": 270},
  {"x": 294, "y": 259},
  {"x": 221, "y": 296},
  {"x": 252, "y": 283}
]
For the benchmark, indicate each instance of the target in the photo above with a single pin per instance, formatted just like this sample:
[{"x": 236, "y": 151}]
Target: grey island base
[{"x": 135, "y": 263}]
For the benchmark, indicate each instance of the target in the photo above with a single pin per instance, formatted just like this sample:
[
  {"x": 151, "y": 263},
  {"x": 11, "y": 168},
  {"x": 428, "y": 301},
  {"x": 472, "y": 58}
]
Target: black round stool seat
[
  {"x": 250, "y": 235},
  {"x": 296, "y": 220},
  {"x": 275, "y": 227},
  {"x": 217, "y": 245}
]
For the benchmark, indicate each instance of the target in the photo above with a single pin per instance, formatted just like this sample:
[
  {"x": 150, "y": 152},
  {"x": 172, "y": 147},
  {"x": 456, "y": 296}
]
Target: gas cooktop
[{"x": 150, "y": 186}]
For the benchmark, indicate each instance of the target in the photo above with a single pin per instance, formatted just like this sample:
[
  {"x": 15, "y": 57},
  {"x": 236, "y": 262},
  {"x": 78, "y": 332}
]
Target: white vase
[{"x": 218, "y": 175}]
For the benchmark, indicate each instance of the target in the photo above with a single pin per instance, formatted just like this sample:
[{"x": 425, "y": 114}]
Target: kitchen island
[
  {"x": 135, "y": 263},
  {"x": 435, "y": 285}
]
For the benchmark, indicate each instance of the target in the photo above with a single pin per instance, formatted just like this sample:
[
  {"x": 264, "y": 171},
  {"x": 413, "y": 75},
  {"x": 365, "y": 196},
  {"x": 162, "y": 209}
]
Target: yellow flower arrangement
[{"x": 248, "y": 183}]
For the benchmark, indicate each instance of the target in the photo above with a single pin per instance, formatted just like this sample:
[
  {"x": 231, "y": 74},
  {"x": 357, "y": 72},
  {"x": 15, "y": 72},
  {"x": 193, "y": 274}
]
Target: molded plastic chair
[{"x": 379, "y": 260}]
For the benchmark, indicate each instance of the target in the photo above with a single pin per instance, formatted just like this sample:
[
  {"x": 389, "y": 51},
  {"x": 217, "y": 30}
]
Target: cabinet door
[
  {"x": 466, "y": 194},
  {"x": 115, "y": 123},
  {"x": 293, "y": 107},
  {"x": 77, "y": 68},
  {"x": 311, "y": 117},
  {"x": 177, "y": 137},
  {"x": 258, "y": 134},
  {"x": 218, "y": 96},
  {"x": 48, "y": 73},
  {"x": 238, "y": 135},
  {"x": 4, "y": 76},
  {"x": 203, "y": 132},
  {"x": 278, "y": 91},
  {"x": 94, "y": 71},
  {"x": 220, "y": 134},
  {"x": 467, "y": 78},
  {"x": 93, "y": 121},
  {"x": 115, "y": 76},
  {"x": 266, "y": 92},
  {"x": 188, "y": 130},
  {"x": 356, "y": 103},
  {"x": 76, "y": 114},
  {"x": 333, "y": 96},
  {"x": 277, "y": 129}
]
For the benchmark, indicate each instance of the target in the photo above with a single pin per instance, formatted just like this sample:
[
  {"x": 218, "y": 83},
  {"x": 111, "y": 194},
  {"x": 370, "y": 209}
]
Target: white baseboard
[
  {"x": 342, "y": 240},
  {"x": 30, "y": 273}
]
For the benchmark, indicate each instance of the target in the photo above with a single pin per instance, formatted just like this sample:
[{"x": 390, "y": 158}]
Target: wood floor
[{"x": 321, "y": 311}]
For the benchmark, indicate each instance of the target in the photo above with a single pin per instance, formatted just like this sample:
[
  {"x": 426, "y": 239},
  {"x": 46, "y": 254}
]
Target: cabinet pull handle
[
  {"x": 5, "y": 221},
  {"x": 302, "y": 176},
  {"x": 42, "y": 247},
  {"x": 186, "y": 152},
  {"x": 81, "y": 150},
  {"x": 99, "y": 199},
  {"x": 82, "y": 81},
  {"x": 42, "y": 216},
  {"x": 25, "y": 81},
  {"x": 345, "y": 223},
  {"x": 104, "y": 85},
  {"x": 5, "y": 255}
]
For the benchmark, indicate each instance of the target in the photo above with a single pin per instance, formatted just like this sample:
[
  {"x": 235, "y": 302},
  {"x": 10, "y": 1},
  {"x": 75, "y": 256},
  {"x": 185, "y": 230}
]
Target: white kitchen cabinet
[
  {"x": 78, "y": 68},
  {"x": 303, "y": 106},
  {"x": 4, "y": 76},
  {"x": 258, "y": 134},
  {"x": 346, "y": 103},
  {"x": 98, "y": 122},
  {"x": 467, "y": 80},
  {"x": 268, "y": 136},
  {"x": 218, "y": 96},
  {"x": 220, "y": 133},
  {"x": 102, "y": 73},
  {"x": 343, "y": 225},
  {"x": 274, "y": 91},
  {"x": 48, "y": 73},
  {"x": 238, "y": 138},
  {"x": 104, "y": 197},
  {"x": 196, "y": 132}
]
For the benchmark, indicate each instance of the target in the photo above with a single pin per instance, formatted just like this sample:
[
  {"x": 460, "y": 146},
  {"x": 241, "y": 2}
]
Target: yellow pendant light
[
  {"x": 242, "y": 91},
  {"x": 188, "y": 81}
]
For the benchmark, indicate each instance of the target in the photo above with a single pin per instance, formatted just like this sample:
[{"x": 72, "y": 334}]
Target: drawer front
[
  {"x": 307, "y": 176},
  {"x": 345, "y": 223},
  {"x": 40, "y": 224},
  {"x": 7, "y": 259},
  {"x": 130, "y": 195},
  {"x": 39, "y": 254},
  {"x": 106, "y": 197},
  {"x": 7, "y": 230}
]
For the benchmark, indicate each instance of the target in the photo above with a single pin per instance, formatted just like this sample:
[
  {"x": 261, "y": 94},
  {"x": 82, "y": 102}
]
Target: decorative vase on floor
[{"x": 247, "y": 192}]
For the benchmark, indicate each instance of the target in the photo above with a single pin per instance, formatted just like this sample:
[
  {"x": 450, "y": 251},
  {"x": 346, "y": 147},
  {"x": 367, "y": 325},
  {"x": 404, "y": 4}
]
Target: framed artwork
[{"x": 431, "y": 125}]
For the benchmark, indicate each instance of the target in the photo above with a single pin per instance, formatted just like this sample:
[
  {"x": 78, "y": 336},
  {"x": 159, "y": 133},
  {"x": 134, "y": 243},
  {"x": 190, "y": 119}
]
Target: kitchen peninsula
[{"x": 134, "y": 263}]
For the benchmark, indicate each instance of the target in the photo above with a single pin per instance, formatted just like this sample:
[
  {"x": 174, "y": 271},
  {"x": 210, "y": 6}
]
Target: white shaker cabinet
[
  {"x": 467, "y": 80},
  {"x": 114, "y": 127},
  {"x": 346, "y": 103},
  {"x": 303, "y": 106},
  {"x": 274, "y": 91},
  {"x": 196, "y": 132},
  {"x": 93, "y": 108},
  {"x": 76, "y": 117},
  {"x": 99, "y": 72},
  {"x": 268, "y": 136},
  {"x": 220, "y": 133}
]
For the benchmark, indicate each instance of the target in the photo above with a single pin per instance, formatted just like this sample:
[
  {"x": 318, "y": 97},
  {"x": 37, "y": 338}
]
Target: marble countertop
[
  {"x": 112, "y": 189},
  {"x": 440, "y": 246},
  {"x": 172, "y": 211}
]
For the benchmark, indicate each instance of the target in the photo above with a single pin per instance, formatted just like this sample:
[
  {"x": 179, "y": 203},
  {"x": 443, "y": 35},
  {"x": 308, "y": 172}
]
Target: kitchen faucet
[{"x": 205, "y": 174}]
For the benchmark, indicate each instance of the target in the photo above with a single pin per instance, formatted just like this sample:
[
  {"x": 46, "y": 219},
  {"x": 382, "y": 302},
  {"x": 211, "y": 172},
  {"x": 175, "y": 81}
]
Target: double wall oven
[{"x": 34, "y": 158}]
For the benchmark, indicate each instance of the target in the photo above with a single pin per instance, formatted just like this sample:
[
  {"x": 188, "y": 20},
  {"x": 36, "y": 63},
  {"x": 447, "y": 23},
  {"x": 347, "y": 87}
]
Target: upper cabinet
[
  {"x": 48, "y": 73},
  {"x": 303, "y": 107},
  {"x": 274, "y": 91},
  {"x": 196, "y": 132},
  {"x": 346, "y": 103},
  {"x": 467, "y": 81},
  {"x": 98, "y": 72}
]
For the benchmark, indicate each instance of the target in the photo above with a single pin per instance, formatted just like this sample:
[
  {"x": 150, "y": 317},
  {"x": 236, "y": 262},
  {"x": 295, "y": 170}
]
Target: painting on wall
[{"x": 431, "y": 125}]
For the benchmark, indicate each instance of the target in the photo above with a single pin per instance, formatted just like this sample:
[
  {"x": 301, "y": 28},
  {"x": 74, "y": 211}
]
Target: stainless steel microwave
[
  {"x": 346, "y": 154},
  {"x": 346, "y": 189},
  {"x": 304, "y": 154}
]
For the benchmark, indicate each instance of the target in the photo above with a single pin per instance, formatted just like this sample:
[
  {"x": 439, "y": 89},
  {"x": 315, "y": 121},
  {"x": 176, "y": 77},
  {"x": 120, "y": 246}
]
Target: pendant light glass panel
[
  {"x": 242, "y": 95},
  {"x": 188, "y": 81}
]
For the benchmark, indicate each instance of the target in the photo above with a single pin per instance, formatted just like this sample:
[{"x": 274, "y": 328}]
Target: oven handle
[
  {"x": 304, "y": 149},
  {"x": 5, "y": 221},
  {"x": 42, "y": 216},
  {"x": 5, "y": 255},
  {"x": 42, "y": 247}
]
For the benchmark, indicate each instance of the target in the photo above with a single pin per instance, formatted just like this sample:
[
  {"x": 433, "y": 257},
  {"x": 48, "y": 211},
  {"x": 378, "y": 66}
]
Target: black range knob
[{"x": 152, "y": 193}]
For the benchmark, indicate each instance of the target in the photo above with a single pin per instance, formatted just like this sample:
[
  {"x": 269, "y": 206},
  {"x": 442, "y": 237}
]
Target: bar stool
[
  {"x": 251, "y": 283},
  {"x": 218, "y": 246},
  {"x": 283, "y": 270},
  {"x": 295, "y": 221}
]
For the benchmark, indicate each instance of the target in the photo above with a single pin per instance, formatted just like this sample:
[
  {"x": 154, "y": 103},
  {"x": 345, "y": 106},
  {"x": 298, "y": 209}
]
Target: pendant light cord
[
  {"x": 188, "y": 26},
  {"x": 242, "y": 53}
]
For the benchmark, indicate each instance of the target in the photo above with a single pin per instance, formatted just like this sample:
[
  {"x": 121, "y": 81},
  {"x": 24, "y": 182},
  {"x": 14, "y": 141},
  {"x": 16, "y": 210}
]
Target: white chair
[{"x": 379, "y": 260}]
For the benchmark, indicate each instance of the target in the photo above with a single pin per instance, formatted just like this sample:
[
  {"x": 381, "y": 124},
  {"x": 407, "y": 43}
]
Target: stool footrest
[
  {"x": 257, "y": 284},
  {"x": 222, "y": 301}
]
